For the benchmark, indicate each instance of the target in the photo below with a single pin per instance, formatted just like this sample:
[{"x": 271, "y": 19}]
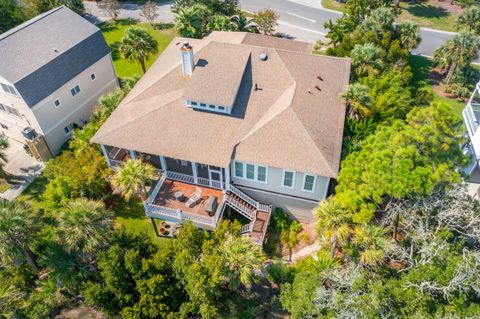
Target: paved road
[{"x": 300, "y": 19}]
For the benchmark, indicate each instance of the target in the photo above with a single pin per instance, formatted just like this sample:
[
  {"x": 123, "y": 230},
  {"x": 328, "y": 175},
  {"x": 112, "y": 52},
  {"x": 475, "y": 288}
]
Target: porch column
[
  {"x": 227, "y": 175},
  {"x": 163, "y": 162},
  {"x": 155, "y": 226},
  {"x": 105, "y": 154},
  {"x": 194, "y": 170},
  {"x": 133, "y": 155}
]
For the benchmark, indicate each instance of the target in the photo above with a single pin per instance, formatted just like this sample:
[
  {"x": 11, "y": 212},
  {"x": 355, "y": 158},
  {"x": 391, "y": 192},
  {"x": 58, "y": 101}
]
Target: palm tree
[
  {"x": 240, "y": 259},
  {"x": 17, "y": 227},
  {"x": 367, "y": 59},
  {"x": 290, "y": 236},
  {"x": 458, "y": 52},
  {"x": 137, "y": 45},
  {"x": 469, "y": 20},
  {"x": 84, "y": 225},
  {"x": 409, "y": 35},
  {"x": 358, "y": 101},
  {"x": 4, "y": 144},
  {"x": 243, "y": 24},
  {"x": 373, "y": 244},
  {"x": 132, "y": 177},
  {"x": 220, "y": 23},
  {"x": 80, "y": 141},
  {"x": 333, "y": 223},
  {"x": 188, "y": 22}
]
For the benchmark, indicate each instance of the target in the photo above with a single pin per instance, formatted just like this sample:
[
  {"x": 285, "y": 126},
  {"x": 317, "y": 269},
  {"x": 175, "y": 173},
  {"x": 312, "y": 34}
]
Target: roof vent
[{"x": 263, "y": 56}]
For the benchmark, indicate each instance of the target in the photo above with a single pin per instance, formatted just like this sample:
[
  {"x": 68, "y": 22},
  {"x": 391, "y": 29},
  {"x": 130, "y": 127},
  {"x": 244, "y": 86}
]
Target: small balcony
[{"x": 471, "y": 117}]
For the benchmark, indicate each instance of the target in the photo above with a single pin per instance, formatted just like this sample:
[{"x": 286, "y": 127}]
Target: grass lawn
[
  {"x": 113, "y": 33},
  {"x": 427, "y": 15},
  {"x": 432, "y": 14},
  {"x": 333, "y": 5},
  {"x": 421, "y": 67},
  {"x": 4, "y": 186},
  {"x": 131, "y": 215}
]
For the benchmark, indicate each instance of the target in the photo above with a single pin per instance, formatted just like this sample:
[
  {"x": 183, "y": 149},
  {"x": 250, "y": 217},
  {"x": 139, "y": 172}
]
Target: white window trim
[
  {"x": 255, "y": 172},
  {"x": 59, "y": 103},
  {"x": 94, "y": 76},
  {"x": 8, "y": 91},
  {"x": 76, "y": 93},
  {"x": 314, "y": 183},
  {"x": 283, "y": 179}
]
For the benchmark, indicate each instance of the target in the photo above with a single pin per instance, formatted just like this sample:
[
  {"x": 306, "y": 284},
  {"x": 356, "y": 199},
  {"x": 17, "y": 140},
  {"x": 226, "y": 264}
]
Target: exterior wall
[
  {"x": 274, "y": 184},
  {"x": 14, "y": 123},
  {"x": 294, "y": 200},
  {"x": 74, "y": 109}
]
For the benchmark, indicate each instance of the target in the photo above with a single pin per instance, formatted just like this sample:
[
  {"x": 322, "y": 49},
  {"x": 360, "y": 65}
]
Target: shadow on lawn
[
  {"x": 427, "y": 11},
  {"x": 126, "y": 209}
]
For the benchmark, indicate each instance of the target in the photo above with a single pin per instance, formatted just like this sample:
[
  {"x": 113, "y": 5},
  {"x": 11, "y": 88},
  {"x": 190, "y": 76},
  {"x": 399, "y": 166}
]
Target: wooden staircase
[{"x": 257, "y": 213}]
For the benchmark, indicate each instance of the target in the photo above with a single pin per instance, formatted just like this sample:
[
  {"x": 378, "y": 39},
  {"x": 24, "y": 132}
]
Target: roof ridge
[{"x": 28, "y": 23}]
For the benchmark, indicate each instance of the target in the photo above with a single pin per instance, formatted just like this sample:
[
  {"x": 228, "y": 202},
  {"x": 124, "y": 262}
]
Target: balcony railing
[
  {"x": 191, "y": 180},
  {"x": 471, "y": 116}
]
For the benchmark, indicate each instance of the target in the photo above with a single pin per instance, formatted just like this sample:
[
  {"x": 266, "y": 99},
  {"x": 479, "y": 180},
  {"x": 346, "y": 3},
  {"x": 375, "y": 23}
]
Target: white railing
[
  {"x": 246, "y": 211},
  {"x": 155, "y": 191},
  {"x": 179, "y": 177},
  {"x": 246, "y": 228},
  {"x": 156, "y": 211},
  {"x": 243, "y": 196},
  {"x": 190, "y": 179},
  {"x": 470, "y": 118},
  {"x": 115, "y": 163}
]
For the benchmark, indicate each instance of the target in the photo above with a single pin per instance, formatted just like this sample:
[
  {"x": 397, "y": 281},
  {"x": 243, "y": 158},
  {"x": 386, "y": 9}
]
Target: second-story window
[
  {"x": 9, "y": 109},
  {"x": 250, "y": 171},
  {"x": 239, "y": 169},
  {"x": 56, "y": 103},
  {"x": 288, "y": 179},
  {"x": 75, "y": 90},
  {"x": 309, "y": 183},
  {"x": 8, "y": 89},
  {"x": 93, "y": 76}
]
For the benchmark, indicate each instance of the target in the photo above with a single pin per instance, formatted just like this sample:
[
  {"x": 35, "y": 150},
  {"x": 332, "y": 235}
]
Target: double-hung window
[
  {"x": 68, "y": 129},
  {"x": 262, "y": 174},
  {"x": 288, "y": 179},
  {"x": 309, "y": 183},
  {"x": 8, "y": 89},
  {"x": 250, "y": 171},
  {"x": 56, "y": 103},
  {"x": 238, "y": 169},
  {"x": 75, "y": 90}
]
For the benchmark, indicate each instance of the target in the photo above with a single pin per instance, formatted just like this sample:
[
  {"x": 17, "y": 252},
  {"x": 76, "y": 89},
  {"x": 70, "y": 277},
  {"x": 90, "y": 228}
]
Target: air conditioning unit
[{"x": 29, "y": 133}]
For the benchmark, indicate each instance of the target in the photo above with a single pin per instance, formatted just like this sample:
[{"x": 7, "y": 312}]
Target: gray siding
[{"x": 294, "y": 200}]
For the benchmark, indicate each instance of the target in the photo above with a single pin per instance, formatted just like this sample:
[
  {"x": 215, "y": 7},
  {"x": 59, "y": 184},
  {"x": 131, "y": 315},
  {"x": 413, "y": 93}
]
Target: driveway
[{"x": 24, "y": 167}]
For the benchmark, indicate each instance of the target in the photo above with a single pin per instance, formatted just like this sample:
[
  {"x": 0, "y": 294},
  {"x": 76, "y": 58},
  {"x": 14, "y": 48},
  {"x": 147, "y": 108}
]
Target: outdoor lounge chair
[
  {"x": 194, "y": 198},
  {"x": 211, "y": 205}
]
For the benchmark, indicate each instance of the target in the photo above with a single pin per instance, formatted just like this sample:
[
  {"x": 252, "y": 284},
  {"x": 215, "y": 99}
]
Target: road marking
[
  {"x": 300, "y": 28},
  {"x": 300, "y": 17}
]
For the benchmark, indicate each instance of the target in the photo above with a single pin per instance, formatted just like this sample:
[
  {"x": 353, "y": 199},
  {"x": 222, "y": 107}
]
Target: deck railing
[
  {"x": 246, "y": 228},
  {"x": 470, "y": 117},
  {"x": 156, "y": 211},
  {"x": 191, "y": 180},
  {"x": 246, "y": 198}
]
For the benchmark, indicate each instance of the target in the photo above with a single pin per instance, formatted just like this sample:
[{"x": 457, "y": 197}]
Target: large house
[
  {"x": 234, "y": 120},
  {"x": 471, "y": 117},
  {"x": 53, "y": 69}
]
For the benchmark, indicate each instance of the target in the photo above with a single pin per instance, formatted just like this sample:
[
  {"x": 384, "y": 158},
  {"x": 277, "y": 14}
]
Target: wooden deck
[{"x": 166, "y": 197}]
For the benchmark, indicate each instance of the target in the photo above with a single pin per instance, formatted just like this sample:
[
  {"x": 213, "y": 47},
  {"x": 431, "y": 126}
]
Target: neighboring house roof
[
  {"x": 286, "y": 123},
  {"x": 45, "y": 52}
]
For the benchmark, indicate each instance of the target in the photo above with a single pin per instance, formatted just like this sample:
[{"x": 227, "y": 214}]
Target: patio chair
[{"x": 194, "y": 198}]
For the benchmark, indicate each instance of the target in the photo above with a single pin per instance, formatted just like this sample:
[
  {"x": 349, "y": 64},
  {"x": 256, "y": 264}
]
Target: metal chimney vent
[{"x": 263, "y": 56}]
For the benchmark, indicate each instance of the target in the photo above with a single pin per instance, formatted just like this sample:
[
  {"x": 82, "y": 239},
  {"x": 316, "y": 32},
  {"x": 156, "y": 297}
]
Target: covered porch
[{"x": 172, "y": 168}]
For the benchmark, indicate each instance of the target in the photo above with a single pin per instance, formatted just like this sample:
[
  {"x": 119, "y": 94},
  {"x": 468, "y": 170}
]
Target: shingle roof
[
  {"x": 45, "y": 52},
  {"x": 288, "y": 123}
]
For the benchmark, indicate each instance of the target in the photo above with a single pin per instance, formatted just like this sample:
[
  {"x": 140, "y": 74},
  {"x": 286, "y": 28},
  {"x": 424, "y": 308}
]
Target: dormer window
[{"x": 207, "y": 106}]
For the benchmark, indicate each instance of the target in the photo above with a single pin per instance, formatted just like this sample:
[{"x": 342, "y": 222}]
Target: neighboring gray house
[
  {"x": 53, "y": 69},
  {"x": 471, "y": 117},
  {"x": 246, "y": 120}
]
